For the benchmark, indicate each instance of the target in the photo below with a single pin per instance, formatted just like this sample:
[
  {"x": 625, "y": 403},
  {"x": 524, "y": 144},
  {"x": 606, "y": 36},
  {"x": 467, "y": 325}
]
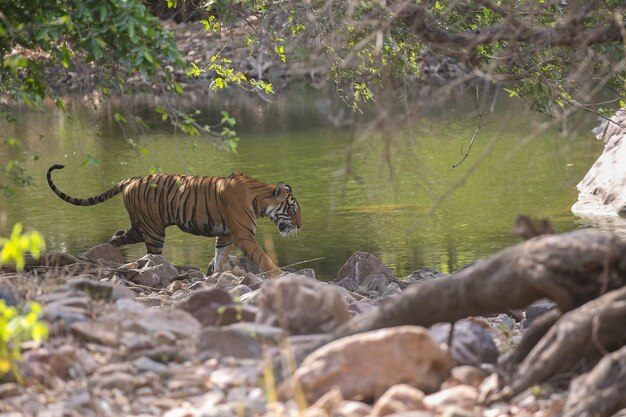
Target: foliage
[
  {"x": 18, "y": 244},
  {"x": 16, "y": 327},
  {"x": 548, "y": 53},
  {"x": 117, "y": 36}
]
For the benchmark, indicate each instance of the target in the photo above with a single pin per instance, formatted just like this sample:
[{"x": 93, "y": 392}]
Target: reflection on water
[{"x": 352, "y": 197}]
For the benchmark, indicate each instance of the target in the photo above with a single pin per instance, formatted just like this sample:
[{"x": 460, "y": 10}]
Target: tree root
[
  {"x": 582, "y": 334},
  {"x": 601, "y": 392},
  {"x": 570, "y": 269}
]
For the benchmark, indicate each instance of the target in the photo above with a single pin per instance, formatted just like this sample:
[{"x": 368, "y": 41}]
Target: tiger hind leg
[
  {"x": 222, "y": 248},
  {"x": 154, "y": 242}
]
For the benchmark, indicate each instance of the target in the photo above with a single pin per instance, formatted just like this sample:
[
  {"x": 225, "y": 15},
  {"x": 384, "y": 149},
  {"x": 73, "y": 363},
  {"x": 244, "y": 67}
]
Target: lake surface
[{"x": 396, "y": 195}]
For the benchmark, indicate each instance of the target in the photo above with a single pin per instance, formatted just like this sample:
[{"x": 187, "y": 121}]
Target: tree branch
[{"x": 570, "y": 34}]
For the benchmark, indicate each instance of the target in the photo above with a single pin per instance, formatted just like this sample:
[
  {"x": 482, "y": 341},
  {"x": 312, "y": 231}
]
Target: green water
[{"x": 410, "y": 208}]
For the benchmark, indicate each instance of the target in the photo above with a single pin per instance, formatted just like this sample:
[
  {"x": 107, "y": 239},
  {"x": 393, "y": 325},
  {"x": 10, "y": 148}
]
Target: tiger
[{"x": 221, "y": 207}]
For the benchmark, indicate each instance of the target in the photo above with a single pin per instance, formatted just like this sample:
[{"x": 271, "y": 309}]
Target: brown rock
[
  {"x": 301, "y": 304},
  {"x": 353, "y": 409},
  {"x": 399, "y": 398},
  {"x": 466, "y": 375},
  {"x": 105, "y": 253},
  {"x": 365, "y": 365},
  {"x": 462, "y": 396},
  {"x": 95, "y": 332},
  {"x": 215, "y": 307}
]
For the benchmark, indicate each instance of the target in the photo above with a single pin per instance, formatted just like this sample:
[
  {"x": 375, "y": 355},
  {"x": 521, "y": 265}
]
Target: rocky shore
[{"x": 147, "y": 338}]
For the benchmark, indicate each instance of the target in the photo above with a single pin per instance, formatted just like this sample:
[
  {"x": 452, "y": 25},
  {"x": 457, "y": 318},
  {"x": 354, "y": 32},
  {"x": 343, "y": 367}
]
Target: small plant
[
  {"x": 15, "y": 247},
  {"x": 16, "y": 327}
]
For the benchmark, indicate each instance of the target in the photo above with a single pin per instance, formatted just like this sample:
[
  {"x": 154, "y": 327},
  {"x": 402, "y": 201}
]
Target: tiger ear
[{"x": 282, "y": 190}]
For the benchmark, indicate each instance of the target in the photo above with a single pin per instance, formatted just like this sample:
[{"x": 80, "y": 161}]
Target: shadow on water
[{"x": 361, "y": 189}]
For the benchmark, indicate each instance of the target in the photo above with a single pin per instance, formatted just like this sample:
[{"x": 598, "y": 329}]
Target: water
[{"x": 396, "y": 195}]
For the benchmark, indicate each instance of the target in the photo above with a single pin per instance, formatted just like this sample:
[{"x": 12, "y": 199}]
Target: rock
[
  {"x": 399, "y": 398},
  {"x": 79, "y": 302},
  {"x": 467, "y": 375},
  {"x": 145, "y": 364},
  {"x": 462, "y": 396},
  {"x": 353, "y": 409},
  {"x": 95, "y": 332},
  {"x": 151, "y": 271},
  {"x": 454, "y": 411},
  {"x": 9, "y": 389},
  {"x": 241, "y": 340},
  {"x": 365, "y": 274},
  {"x": 391, "y": 290},
  {"x": 239, "y": 290},
  {"x": 9, "y": 294},
  {"x": 99, "y": 290},
  {"x": 424, "y": 274},
  {"x": 56, "y": 362},
  {"x": 472, "y": 343},
  {"x": 603, "y": 189},
  {"x": 215, "y": 307},
  {"x": 176, "y": 321},
  {"x": 251, "y": 298},
  {"x": 365, "y": 365},
  {"x": 227, "y": 281},
  {"x": 118, "y": 380},
  {"x": 127, "y": 305},
  {"x": 105, "y": 253},
  {"x": 233, "y": 262},
  {"x": 302, "y": 305},
  {"x": 361, "y": 306},
  {"x": 533, "y": 311},
  {"x": 327, "y": 403}
]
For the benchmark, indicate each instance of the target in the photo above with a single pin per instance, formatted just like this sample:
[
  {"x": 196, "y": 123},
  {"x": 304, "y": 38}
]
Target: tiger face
[{"x": 285, "y": 210}]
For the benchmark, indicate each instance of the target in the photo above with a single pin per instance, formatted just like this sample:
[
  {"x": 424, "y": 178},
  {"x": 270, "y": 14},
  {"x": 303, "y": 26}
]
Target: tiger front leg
[{"x": 253, "y": 251}]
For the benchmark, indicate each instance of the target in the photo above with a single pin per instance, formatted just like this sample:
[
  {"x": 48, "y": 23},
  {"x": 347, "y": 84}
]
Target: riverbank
[{"x": 149, "y": 338}]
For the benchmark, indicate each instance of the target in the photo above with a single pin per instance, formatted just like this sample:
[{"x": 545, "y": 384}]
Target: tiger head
[{"x": 285, "y": 210}]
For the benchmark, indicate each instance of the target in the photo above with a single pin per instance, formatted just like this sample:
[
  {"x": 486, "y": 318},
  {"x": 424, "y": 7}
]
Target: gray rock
[
  {"x": 365, "y": 274},
  {"x": 251, "y": 298},
  {"x": 533, "y": 311},
  {"x": 151, "y": 271},
  {"x": 472, "y": 343},
  {"x": 239, "y": 290},
  {"x": 425, "y": 274},
  {"x": 391, "y": 290},
  {"x": 145, "y": 364}
]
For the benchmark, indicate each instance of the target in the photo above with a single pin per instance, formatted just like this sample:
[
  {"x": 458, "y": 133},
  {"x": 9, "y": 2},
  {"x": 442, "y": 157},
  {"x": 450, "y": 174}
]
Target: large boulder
[
  {"x": 365, "y": 274},
  {"x": 150, "y": 271},
  {"x": 301, "y": 304},
  {"x": 365, "y": 365},
  {"x": 603, "y": 189}
]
